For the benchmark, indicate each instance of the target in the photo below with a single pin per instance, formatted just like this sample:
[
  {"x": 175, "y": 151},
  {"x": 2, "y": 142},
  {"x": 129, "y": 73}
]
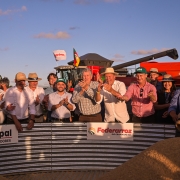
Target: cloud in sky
[
  {"x": 85, "y": 2},
  {"x": 146, "y": 52},
  {"x": 4, "y": 49},
  {"x": 58, "y": 35},
  {"x": 73, "y": 28},
  {"x": 10, "y": 11},
  {"x": 111, "y": 1},
  {"x": 82, "y": 2},
  {"x": 117, "y": 58}
]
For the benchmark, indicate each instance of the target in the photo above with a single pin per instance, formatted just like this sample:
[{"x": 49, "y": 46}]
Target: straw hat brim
[
  {"x": 34, "y": 79},
  {"x": 155, "y": 72},
  {"x": 109, "y": 73},
  {"x": 166, "y": 80}
]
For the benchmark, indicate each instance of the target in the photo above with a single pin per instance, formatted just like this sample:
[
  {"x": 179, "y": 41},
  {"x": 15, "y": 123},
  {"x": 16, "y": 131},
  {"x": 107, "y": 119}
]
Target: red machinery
[{"x": 98, "y": 63}]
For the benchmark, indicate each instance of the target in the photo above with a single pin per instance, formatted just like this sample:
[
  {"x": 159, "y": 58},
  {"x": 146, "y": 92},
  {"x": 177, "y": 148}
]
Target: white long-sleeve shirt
[
  {"x": 24, "y": 103},
  {"x": 39, "y": 91},
  {"x": 114, "y": 108}
]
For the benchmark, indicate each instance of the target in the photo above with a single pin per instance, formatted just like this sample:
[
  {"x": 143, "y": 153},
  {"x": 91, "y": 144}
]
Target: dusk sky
[{"x": 119, "y": 30}]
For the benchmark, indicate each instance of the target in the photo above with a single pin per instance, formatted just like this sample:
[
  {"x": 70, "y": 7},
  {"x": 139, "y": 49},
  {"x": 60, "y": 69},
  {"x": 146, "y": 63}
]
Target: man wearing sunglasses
[{"x": 143, "y": 95}]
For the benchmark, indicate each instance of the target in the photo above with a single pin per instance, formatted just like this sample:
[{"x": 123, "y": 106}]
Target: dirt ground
[{"x": 161, "y": 161}]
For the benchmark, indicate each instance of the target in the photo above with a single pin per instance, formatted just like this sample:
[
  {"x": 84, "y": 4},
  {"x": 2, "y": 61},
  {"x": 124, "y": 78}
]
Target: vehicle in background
[{"x": 98, "y": 63}]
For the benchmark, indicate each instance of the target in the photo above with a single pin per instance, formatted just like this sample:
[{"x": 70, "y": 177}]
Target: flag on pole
[
  {"x": 76, "y": 58},
  {"x": 59, "y": 55}
]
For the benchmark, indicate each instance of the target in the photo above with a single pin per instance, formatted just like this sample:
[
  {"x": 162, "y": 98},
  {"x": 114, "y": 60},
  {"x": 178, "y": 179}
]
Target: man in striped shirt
[{"x": 84, "y": 96}]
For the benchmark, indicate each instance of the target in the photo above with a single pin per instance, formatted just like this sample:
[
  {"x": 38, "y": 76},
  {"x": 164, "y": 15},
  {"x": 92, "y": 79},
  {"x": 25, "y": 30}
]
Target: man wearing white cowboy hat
[
  {"x": 115, "y": 109},
  {"x": 19, "y": 104},
  {"x": 37, "y": 93},
  {"x": 153, "y": 75}
]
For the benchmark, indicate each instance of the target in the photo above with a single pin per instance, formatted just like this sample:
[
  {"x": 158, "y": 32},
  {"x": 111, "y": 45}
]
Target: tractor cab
[
  {"x": 70, "y": 73},
  {"x": 92, "y": 61}
]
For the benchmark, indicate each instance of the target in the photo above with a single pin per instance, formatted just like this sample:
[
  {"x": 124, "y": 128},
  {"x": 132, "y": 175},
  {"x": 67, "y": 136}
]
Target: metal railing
[{"x": 60, "y": 146}]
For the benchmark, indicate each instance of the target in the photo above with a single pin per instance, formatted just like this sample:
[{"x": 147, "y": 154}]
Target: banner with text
[
  {"x": 110, "y": 131},
  {"x": 8, "y": 134}
]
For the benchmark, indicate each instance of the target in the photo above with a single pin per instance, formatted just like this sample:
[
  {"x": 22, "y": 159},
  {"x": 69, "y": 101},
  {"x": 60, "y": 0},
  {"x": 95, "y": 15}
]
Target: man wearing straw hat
[
  {"x": 37, "y": 94},
  {"x": 153, "y": 75},
  {"x": 19, "y": 104},
  {"x": 115, "y": 109}
]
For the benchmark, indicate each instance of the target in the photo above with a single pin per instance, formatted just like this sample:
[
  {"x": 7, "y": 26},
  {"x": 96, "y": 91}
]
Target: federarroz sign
[
  {"x": 110, "y": 131},
  {"x": 8, "y": 134}
]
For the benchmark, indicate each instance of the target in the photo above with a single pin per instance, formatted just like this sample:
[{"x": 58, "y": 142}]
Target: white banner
[
  {"x": 59, "y": 55},
  {"x": 110, "y": 131},
  {"x": 8, "y": 134}
]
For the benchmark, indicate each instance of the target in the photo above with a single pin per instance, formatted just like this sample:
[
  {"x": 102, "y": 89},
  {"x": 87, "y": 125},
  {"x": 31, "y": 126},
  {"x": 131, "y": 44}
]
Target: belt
[
  {"x": 90, "y": 114},
  {"x": 38, "y": 116},
  {"x": 18, "y": 119},
  {"x": 61, "y": 120}
]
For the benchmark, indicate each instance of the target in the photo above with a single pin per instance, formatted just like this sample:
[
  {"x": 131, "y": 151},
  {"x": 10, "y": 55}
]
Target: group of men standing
[{"x": 26, "y": 103}]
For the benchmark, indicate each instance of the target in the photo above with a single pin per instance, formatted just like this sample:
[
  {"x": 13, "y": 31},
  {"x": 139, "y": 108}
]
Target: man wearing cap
[
  {"x": 153, "y": 75},
  {"x": 115, "y": 109},
  {"x": 143, "y": 95},
  {"x": 17, "y": 101},
  {"x": 37, "y": 94},
  {"x": 84, "y": 96},
  {"x": 60, "y": 103}
]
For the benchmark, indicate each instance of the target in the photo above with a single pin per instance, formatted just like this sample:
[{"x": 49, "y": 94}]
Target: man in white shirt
[
  {"x": 17, "y": 102},
  {"x": 115, "y": 109},
  {"x": 60, "y": 103},
  {"x": 1, "y": 106},
  {"x": 4, "y": 85},
  {"x": 37, "y": 95}
]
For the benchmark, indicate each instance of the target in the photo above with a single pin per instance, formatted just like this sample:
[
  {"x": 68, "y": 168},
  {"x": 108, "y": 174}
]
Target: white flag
[{"x": 59, "y": 55}]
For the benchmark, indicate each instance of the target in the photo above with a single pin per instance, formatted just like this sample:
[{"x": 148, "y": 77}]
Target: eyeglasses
[{"x": 141, "y": 92}]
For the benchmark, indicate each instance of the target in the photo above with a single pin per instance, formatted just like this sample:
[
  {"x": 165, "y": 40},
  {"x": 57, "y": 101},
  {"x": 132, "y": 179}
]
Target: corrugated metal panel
[
  {"x": 62, "y": 146},
  {"x": 32, "y": 153}
]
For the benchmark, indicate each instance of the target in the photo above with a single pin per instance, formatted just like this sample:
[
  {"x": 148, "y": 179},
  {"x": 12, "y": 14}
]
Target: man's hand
[
  {"x": 10, "y": 107},
  {"x": 1, "y": 97},
  {"x": 30, "y": 124},
  {"x": 18, "y": 126},
  {"x": 174, "y": 116},
  {"x": 107, "y": 87},
  {"x": 69, "y": 85},
  {"x": 45, "y": 101},
  {"x": 100, "y": 86},
  {"x": 152, "y": 96},
  {"x": 165, "y": 114},
  {"x": 61, "y": 102},
  {"x": 2, "y": 105},
  {"x": 37, "y": 100},
  {"x": 66, "y": 100},
  {"x": 99, "y": 78},
  {"x": 83, "y": 85}
]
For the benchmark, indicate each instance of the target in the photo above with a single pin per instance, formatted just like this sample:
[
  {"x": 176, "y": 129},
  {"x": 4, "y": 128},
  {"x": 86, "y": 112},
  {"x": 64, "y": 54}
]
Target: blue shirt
[
  {"x": 157, "y": 84},
  {"x": 175, "y": 102}
]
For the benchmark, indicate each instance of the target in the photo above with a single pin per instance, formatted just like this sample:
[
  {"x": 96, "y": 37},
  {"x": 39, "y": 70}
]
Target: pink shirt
[{"x": 141, "y": 106}]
